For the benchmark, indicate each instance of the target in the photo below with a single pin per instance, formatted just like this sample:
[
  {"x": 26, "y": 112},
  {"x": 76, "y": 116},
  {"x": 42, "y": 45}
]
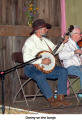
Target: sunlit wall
[{"x": 73, "y": 12}]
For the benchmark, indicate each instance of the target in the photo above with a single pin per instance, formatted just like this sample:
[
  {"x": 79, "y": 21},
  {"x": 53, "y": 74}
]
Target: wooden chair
[{"x": 18, "y": 59}]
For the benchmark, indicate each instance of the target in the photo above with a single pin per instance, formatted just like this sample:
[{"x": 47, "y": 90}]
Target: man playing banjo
[{"x": 44, "y": 68}]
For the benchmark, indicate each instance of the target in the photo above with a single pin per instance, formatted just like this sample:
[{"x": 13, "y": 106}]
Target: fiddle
[{"x": 80, "y": 43}]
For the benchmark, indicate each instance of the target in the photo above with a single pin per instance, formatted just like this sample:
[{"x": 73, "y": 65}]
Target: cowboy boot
[
  {"x": 60, "y": 98},
  {"x": 54, "y": 103}
]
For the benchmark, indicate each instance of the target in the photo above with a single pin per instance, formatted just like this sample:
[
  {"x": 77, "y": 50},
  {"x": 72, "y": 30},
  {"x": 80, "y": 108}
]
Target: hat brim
[{"x": 48, "y": 26}]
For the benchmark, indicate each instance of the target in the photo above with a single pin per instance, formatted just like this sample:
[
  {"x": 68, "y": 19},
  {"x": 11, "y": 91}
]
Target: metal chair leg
[
  {"x": 70, "y": 85},
  {"x": 21, "y": 88}
]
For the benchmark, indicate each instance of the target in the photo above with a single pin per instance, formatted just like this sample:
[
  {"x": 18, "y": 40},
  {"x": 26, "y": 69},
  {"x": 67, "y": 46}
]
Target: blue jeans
[
  {"x": 59, "y": 73},
  {"x": 76, "y": 70}
]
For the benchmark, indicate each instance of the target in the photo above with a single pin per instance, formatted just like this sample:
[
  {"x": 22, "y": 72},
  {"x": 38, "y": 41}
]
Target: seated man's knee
[
  {"x": 64, "y": 70},
  {"x": 39, "y": 77}
]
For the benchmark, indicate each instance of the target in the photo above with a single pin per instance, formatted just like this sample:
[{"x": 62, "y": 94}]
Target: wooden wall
[{"x": 11, "y": 13}]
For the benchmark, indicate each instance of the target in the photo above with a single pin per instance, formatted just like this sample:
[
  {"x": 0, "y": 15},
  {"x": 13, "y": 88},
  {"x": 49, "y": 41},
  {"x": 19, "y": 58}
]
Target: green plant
[{"x": 30, "y": 10}]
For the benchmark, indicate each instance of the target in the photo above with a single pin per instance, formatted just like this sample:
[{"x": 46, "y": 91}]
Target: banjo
[{"x": 47, "y": 68}]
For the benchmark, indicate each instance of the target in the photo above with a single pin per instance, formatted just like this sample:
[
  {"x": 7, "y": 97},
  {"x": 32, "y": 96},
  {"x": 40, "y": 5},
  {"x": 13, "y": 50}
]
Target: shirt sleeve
[
  {"x": 26, "y": 50},
  {"x": 66, "y": 53},
  {"x": 28, "y": 55}
]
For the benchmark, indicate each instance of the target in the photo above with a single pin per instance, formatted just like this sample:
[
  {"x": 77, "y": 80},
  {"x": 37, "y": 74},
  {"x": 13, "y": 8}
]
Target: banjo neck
[{"x": 58, "y": 45}]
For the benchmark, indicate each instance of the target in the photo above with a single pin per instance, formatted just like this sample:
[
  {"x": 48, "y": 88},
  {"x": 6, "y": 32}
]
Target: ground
[{"x": 41, "y": 105}]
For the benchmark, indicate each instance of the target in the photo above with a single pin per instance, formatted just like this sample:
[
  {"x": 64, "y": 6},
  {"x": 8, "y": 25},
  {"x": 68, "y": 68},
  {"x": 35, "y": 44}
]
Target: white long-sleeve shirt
[
  {"x": 34, "y": 45},
  {"x": 68, "y": 56}
]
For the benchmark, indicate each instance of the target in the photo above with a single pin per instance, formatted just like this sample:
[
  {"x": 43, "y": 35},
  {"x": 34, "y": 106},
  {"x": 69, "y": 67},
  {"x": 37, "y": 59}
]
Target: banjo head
[{"x": 43, "y": 67}]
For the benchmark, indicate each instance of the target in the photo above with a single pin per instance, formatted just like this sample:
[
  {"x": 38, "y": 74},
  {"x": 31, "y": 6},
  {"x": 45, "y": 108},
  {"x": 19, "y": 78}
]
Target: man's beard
[{"x": 45, "y": 35}]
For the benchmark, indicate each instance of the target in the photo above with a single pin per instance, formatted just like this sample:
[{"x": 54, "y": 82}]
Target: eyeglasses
[{"x": 78, "y": 33}]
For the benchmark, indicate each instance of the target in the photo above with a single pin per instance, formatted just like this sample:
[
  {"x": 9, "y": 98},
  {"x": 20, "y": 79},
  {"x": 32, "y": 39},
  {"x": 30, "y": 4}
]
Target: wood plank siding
[
  {"x": 14, "y": 31},
  {"x": 21, "y": 30}
]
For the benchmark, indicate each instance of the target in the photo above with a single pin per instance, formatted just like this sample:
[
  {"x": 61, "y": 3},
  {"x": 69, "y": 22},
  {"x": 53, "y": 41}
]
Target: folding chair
[
  {"x": 18, "y": 59},
  {"x": 71, "y": 80}
]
